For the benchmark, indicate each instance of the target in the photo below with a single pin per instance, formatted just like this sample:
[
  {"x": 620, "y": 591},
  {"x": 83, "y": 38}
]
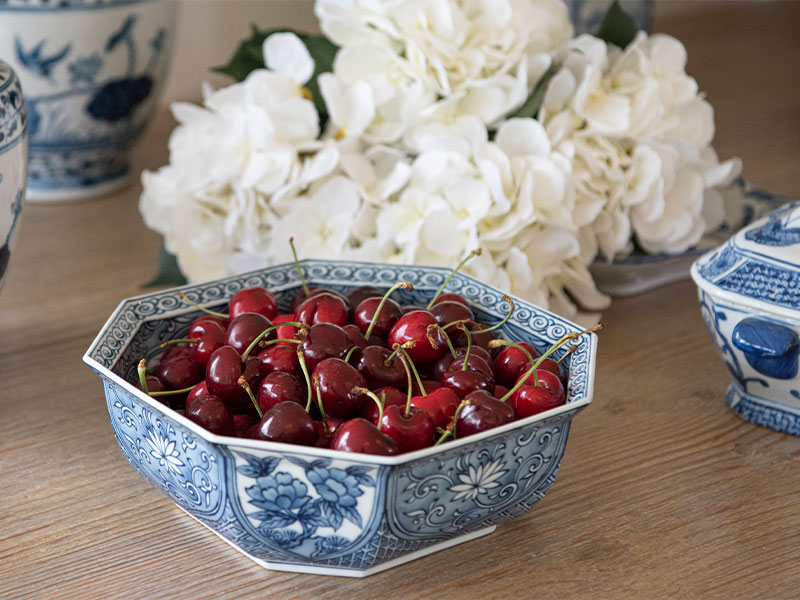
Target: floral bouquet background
[{"x": 415, "y": 131}]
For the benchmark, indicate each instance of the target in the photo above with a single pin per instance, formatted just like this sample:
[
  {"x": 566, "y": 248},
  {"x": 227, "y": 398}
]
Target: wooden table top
[{"x": 663, "y": 491}]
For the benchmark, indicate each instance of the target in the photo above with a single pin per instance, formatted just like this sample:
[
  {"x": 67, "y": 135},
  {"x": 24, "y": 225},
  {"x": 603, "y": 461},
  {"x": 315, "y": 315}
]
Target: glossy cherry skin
[
  {"x": 529, "y": 400},
  {"x": 254, "y": 300},
  {"x": 474, "y": 363},
  {"x": 313, "y": 291},
  {"x": 511, "y": 362},
  {"x": 413, "y": 326},
  {"x": 324, "y": 340},
  {"x": 450, "y": 297},
  {"x": 245, "y": 328},
  {"x": 440, "y": 404},
  {"x": 323, "y": 308},
  {"x": 411, "y": 431},
  {"x": 211, "y": 335},
  {"x": 358, "y": 338},
  {"x": 173, "y": 352},
  {"x": 392, "y": 396},
  {"x": 287, "y": 422},
  {"x": 482, "y": 411},
  {"x": 359, "y": 435},
  {"x": 429, "y": 385},
  {"x": 280, "y": 358},
  {"x": 449, "y": 311},
  {"x": 222, "y": 378},
  {"x": 444, "y": 363},
  {"x": 465, "y": 382},
  {"x": 279, "y": 387},
  {"x": 357, "y": 295},
  {"x": 211, "y": 413},
  {"x": 286, "y": 332},
  {"x": 365, "y": 311},
  {"x": 548, "y": 381},
  {"x": 371, "y": 363},
  {"x": 154, "y": 384},
  {"x": 336, "y": 382},
  {"x": 548, "y": 364},
  {"x": 179, "y": 373},
  {"x": 196, "y": 391}
]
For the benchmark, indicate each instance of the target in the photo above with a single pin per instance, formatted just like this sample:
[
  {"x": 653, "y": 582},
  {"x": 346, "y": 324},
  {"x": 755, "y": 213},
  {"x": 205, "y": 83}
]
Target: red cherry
[
  {"x": 530, "y": 400},
  {"x": 444, "y": 363},
  {"x": 325, "y": 340},
  {"x": 365, "y": 311},
  {"x": 452, "y": 298},
  {"x": 411, "y": 431},
  {"x": 481, "y": 412},
  {"x": 245, "y": 328},
  {"x": 359, "y": 435},
  {"x": 440, "y": 404},
  {"x": 358, "y": 338},
  {"x": 252, "y": 300},
  {"x": 323, "y": 308},
  {"x": 548, "y": 381},
  {"x": 210, "y": 412},
  {"x": 371, "y": 363},
  {"x": 178, "y": 373},
  {"x": 548, "y": 364},
  {"x": 173, "y": 352},
  {"x": 511, "y": 362},
  {"x": 413, "y": 327},
  {"x": 279, "y": 387},
  {"x": 429, "y": 385},
  {"x": 154, "y": 384},
  {"x": 222, "y": 378},
  {"x": 280, "y": 358},
  {"x": 197, "y": 390},
  {"x": 242, "y": 423},
  {"x": 287, "y": 422},
  {"x": 286, "y": 332},
  {"x": 336, "y": 381},
  {"x": 359, "y": 294},
  {"x": 393, "y": 396},
  {"x": 211, "y": 335},
  {"x": 466, "y": 382},
  {"x": 313, "y": 291}
]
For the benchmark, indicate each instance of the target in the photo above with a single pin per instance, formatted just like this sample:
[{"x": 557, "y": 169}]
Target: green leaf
[
  {"x": 534, "y": 101},
  {"x": 617, "y": 26},
  {"x": 249, "y": 57},
  {"x": 169, "y": 273}
]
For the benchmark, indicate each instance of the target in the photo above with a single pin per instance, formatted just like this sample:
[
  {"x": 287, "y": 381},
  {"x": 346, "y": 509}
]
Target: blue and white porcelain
[
  {"x": 750, "y": 299},
  {"x": 13, "y": 161},
  {"x": 313, "y": 510},
  {"x": 91, "y": 70}
]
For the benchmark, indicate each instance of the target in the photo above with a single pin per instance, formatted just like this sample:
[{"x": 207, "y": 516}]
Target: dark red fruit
[
  {"x": 413, "y": 327},
  {"x": 393, "y": 396},
  {"x": 154, "y": 384},
  {"x": 222, "y": 378},
  {"x": 178, "y": 373},
  {"x": 336, "y": 382},
  {"x": 449, "y": 311},
  {"x": 428, "y": 384},
  {"x": 444, "y": 363},
  {"x": 173, "y": 352},
  {"x": 411, "y": 431},
  {"x": 371, "y": 363},
  {"x": 359, "y": 294},
  {"x": 482, "y": 411},
  {"x": 245, "y": 328},
  {"x": 211, "y": 335},
  {"x": 287, "y": 422},
  {"x": 324, "y": 307},
  {"x": 211, "y": 413},
  {"x": 358, "y": 338},
  {"x": 548, "y": 381},
  {"x": 511, "y": 362},
  {"x": 252, "y": 300},
  {"x": 197, "y": 390},
  {"x": 280, "y": 358},
  {"x": 466, "y": 382},
  {"x": 440, "y": 404},
  {"x": 365, "y": 311},
  {"x": 242, "y": 423},
  {"x": 452, "y": 298},
  {"x": 325, "y": 340},
  {"x": 530, "y": 400},
  {"x": 359, "y": 435},
  {"x": 286, "y": 332},
  {"x": 279, "y": 387}
]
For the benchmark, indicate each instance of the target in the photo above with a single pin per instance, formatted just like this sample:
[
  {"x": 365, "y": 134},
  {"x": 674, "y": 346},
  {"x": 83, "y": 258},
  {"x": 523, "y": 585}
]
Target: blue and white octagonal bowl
[
  {"x": 750, "y": 299},
  {"x": 311, "y": 510}
]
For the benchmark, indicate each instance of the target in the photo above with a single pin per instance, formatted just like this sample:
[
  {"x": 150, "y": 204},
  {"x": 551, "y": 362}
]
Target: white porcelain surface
[{"x": 91, "y": 73}]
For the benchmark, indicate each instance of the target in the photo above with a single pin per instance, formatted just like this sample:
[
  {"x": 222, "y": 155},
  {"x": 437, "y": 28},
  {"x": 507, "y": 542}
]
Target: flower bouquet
[{"x": 415, "y": 131}]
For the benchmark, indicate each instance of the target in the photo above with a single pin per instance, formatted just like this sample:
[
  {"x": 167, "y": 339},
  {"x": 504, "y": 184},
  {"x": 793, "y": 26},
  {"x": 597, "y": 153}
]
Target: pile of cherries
[{"x": 355, "y": 372}]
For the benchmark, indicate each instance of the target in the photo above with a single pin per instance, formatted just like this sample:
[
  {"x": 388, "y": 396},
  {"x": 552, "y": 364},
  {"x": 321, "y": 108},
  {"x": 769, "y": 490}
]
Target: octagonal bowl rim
[{"x": 569, "y": 408}]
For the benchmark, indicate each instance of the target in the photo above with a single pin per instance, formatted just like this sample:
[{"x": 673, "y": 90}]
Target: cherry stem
[
  {"x": 438, "y": 293},
  {"x": 302, "y": 360},
  {"x": 505, "y": 320},
  {"x": 569, "y": 351},
  {"x": 371, "y": 394},
  {"x": 451, "y": 426},
  {"x": 410, "y": 384},
  {"x": 408, "y": 344},
  {"x": 297, "y": 266},
  {"x": 261, "y": 335},
  {"x": 429, "y": 335},
  {"x": 561, "y": 341},
  {"x": 208, "y": 311},
  {"x": 463, "y": 328},
  {"x": 181, "y": 341},
  {"x": 172, "y": 392},
  {"x": 403, "y": 284},
  {"x": 243, "y": 382},
  {"x": 319, "y": 403},
  {"x": 350, "y": 353},
  {"x": 413, "y": 368},
  {"x": 142, "y": 369},
  {"x": 498, "y": 343}
]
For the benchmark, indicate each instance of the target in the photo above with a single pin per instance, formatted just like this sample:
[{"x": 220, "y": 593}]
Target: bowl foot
[
  {"x": 764, "y": 412},
  {"x": 318, "y": 570}
]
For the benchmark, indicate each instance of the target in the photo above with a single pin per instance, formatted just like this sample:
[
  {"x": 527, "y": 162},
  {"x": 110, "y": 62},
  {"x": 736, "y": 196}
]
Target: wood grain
[{"x": 663, "y": 491}]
